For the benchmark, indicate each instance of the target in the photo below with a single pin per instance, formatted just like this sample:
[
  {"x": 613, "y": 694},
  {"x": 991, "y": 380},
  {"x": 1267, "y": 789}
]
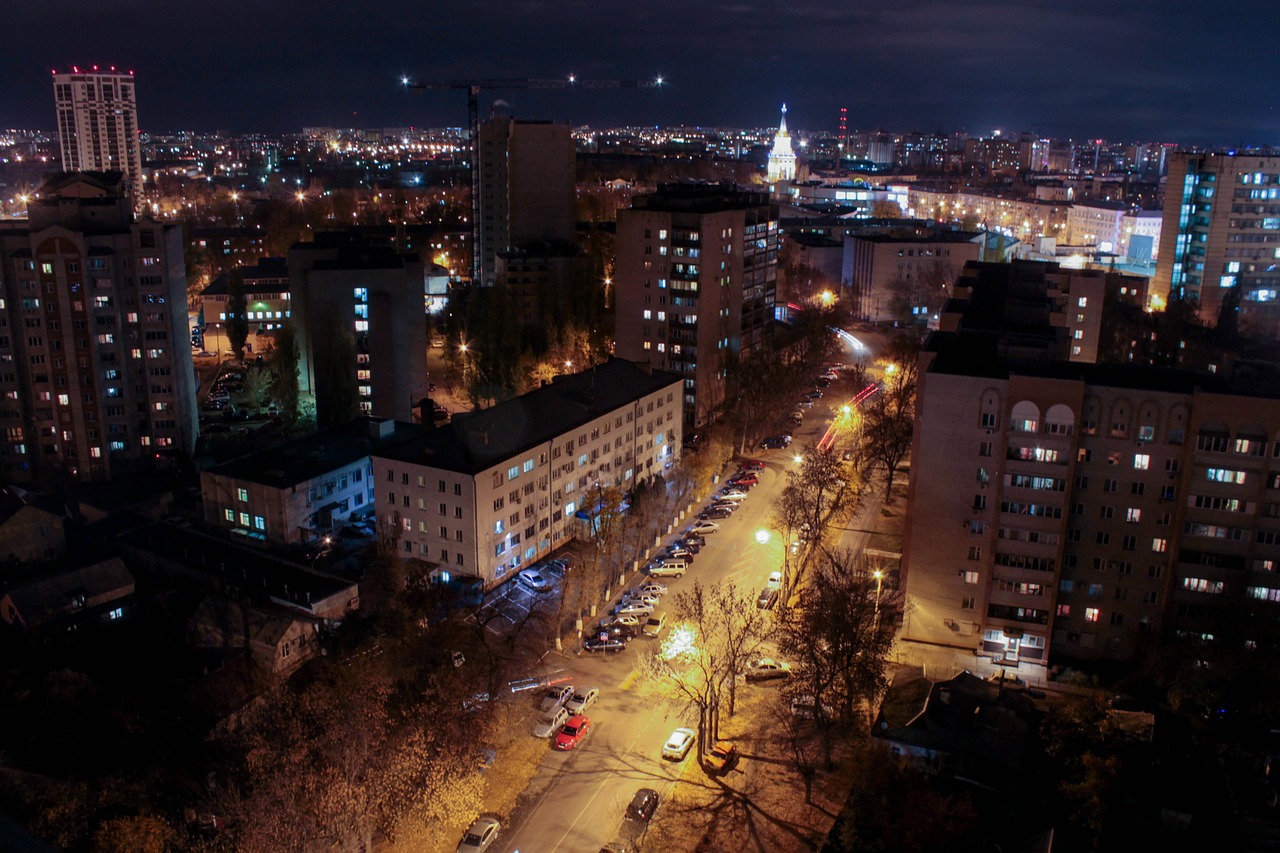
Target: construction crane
[{"x": 473, "y": 88}]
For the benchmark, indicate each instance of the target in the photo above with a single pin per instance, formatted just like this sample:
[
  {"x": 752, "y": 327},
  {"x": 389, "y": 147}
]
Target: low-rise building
[
  {"x": 496, "y": 490},
  {"x": 302, "y": 490},
  {"x": 279, "y": 641},
  {"x": 96, "y": 595},
  {"x": 894, "y": 278},
  {"x": 266, "y": 296},
  {"x": 30, "y": 527}
]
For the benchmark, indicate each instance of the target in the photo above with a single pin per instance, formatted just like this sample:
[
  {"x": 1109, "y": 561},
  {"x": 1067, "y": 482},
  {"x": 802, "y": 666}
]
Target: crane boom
[{"x": 473, "y": 88}]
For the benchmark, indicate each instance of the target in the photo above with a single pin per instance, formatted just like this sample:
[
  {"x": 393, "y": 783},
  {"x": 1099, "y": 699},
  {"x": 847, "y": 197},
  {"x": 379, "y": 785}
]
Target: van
[{"x": 681, "y": 563}]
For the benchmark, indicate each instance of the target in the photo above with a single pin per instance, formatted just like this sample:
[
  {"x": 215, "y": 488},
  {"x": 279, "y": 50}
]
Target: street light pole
[{"x": 879, "y": 576}]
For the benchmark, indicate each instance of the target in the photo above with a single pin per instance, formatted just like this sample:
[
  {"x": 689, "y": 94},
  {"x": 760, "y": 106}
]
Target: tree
[
  {"x": 335, "y": 357},
  {"x": 714, "y": 633},
  {"x": 237, "y": 312},
  {"x": 257, "y": 386},
  {"x": 838, "y": 640},
  {"x": 136, "y": 834},
  {"x": 886, "y": 210},
  {"x": 284, "y": 373},
  {"x": 889, "y": 415}
]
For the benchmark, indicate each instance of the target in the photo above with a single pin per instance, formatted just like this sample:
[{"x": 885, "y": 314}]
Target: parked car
[
  {"x": 722, "y": 757},
  {"x": 654, "y": 587},
  {"x": 534, "y": 579},
  {"x": 732, "y": 493},
  {"x": 747, "y": 479},
  {"x": 480, "y": 836},
  {"x": 555, "y": 697},
  {"x": 550, "y": 723},
  {"x": 607, "y": 642},
  {"x": 720, "y": 503},
  {"x": 581, "y": 700},
  {"x": 764, "y": 669},
  {"x": 815, "y": 394},
  {"x": 775, "y": 581},
  {"x": 634, "y": 608},
  {"x": 715, "y": 512},
  {"x": 752, "y": 465},
  {"x": 657, "y": 621},
  {"x": 643, "y": 805},
  {"x": 612, "y": 622},
  {"x": 677, "y": 551},
  {"x": 673, "y": 569},
  {"x": 645, "y": 598},
  {"x": 679, "y": 744},
  {"x": 703, "y": 527},
  {"x": 572, "y": 732},
  {"x": 768, "y": 598},
  {"x": 805, "y": 403},
  {"x": 692, "y": 539}
]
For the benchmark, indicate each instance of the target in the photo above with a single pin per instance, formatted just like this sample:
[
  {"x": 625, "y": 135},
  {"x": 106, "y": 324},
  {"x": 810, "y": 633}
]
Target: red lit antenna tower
[{"x": 844, "y": 127}]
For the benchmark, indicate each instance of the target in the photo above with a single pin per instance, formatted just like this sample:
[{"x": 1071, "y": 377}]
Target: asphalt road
[{"x": 577, "y": 800}]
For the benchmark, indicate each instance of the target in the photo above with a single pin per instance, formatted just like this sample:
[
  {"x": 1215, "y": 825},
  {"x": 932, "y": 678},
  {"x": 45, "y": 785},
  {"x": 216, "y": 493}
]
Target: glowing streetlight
[
  {"x": 762, "y": 536},
  {"x": 890, "y": 369},
  {"x": 879, "y": 576},
  {"x": 798, "y": 458},
  {"x": 827, "y": 298},
  {"x": 846, "y": 410}
]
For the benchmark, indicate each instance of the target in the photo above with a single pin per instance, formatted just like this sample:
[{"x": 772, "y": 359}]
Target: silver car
[{"x": 481, "y": 835}]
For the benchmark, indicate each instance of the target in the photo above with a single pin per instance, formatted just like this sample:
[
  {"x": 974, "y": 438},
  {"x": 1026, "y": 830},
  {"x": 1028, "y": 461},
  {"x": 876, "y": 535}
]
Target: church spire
[
  {"x": 782, "y": 127},
  {"x": 782, "y": 159}
]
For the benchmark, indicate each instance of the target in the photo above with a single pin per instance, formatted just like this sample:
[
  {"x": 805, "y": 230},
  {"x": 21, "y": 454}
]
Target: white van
[{"x": 671, "y": 567}]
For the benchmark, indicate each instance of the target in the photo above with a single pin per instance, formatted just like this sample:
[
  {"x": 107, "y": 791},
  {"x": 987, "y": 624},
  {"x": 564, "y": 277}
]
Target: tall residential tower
[
  {"x": 696, "y": 281},
  {"x": 98, "y": 123}
]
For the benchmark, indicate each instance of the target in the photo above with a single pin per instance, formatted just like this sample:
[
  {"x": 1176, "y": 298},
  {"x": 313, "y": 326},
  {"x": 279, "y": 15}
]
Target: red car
[
  {"x": 573, "y": 732},
  {"x": 752, "y": 465},
  {"x": 747, "y": 479}
]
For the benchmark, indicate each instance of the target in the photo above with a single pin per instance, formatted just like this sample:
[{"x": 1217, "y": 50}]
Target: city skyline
[{"x": 1092, "y": 71}]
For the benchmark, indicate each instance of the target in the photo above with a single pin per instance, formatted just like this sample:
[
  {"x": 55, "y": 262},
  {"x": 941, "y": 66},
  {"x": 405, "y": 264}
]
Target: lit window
[
  {"x": 244, "y": 519},
  {"x": 1092, "y": 614},
  {"x": 1141, "y": 461},
  {"x": 242, "y": 495},
  {"x": 1082, "y": 302},
  {"x": 259, "y": 522}
]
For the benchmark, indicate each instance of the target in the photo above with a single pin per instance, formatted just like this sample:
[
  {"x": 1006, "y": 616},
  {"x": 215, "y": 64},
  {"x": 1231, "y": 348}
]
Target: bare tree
[{"x": 838, "y": 640}]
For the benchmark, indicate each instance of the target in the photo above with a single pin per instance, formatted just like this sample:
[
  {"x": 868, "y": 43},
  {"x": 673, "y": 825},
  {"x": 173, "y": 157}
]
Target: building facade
[
  {"x": 527, "y": 181},
  {"x": 1065, "y": 511},
  {"x": 302, "y": 490},
  {"x": 98, "y": 124},
  {"x": 1098, "y": 224},
  {"x": 97, "y": 377},
  {"x": 904, "y": 279},
  {"x": 695, "y": 280},
  {"x": 267, "y": 299},
  {"x": 1221, "y": 236},
  {"x": 342, "y": 284},
  {"x": 497, "y": 490}
]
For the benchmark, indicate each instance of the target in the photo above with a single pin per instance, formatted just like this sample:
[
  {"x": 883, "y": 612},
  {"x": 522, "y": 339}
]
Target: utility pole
[{"x": 473, "y": 88}]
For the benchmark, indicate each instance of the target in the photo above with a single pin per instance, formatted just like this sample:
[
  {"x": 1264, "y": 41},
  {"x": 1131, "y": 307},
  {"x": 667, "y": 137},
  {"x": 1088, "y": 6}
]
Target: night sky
[{"x": 1178, "y": 71}]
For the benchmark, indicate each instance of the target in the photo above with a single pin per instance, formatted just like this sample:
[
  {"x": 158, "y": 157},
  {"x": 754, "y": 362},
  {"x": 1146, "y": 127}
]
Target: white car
[
  {"x": 549, "y": 724},
  {"x": 581, "y": 700},
  {"x": 767, "y": 668},
  {"x": 648, "y": 598},
  {"x": 634, "y": 608},
  {"x": 705, "y": 527},
  {"x": 775, "y": 581},
  {"x": 732, "y": 494},
  {"x": 620, "y": 622},
  {"x": 535, "y": 580},
  {"x": 660, "y": 570},
  {"x": 654, "y": 588},
  {"x": 480, "y": 836},
  {"x": 679, "y": 744}
]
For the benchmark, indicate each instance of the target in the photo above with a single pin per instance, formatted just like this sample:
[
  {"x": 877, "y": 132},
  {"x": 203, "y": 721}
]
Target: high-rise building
[
  {"x": 527, "y": 181},
  {"x": 1220, "y": 239},
  {"x": 782, "y": 158},
  {"x": 96, "y": 377},
  {"x": 1061, "y": 511},
  {"x": 98, "y": 123},
  {"x": 343, "y": 284},
  {"x": 695, "y": 280}
]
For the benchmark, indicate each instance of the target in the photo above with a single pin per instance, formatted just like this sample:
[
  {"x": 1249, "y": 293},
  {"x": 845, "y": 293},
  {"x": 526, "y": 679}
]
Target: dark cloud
[{"x": 1176, "y": 70}]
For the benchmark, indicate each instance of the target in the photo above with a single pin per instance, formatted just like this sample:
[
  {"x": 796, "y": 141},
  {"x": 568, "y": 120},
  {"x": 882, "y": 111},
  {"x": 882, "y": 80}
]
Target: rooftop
[
  {"x": 475, "y": 441},
  {"x": 306, "y": 458},
  {"x": 264, "y": 276}
]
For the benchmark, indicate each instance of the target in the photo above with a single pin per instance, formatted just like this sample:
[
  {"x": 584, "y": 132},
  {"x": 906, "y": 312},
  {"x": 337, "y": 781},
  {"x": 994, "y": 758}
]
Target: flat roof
[
  {"x": 306, "y": 458},
  {"x": 475, "y": 441}
]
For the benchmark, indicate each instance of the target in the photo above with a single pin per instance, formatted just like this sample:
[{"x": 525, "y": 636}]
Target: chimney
[{"x": 381, "y": 428}]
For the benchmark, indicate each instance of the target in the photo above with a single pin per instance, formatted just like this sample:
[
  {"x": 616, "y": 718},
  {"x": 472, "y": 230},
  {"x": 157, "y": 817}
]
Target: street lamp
[{"x": 879, "y": 576}]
